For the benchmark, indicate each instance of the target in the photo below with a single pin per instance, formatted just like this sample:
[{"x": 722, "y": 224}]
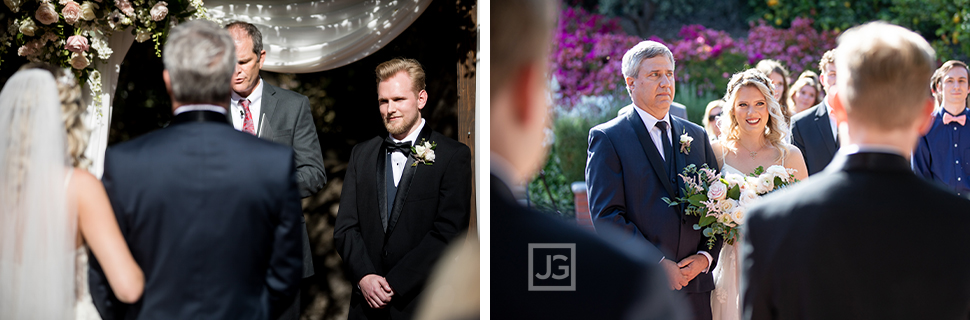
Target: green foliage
[
  {"x": 695, "y": 100},
  {"x": 550, "y": 191},
  {"x": 944, "y": 23}
]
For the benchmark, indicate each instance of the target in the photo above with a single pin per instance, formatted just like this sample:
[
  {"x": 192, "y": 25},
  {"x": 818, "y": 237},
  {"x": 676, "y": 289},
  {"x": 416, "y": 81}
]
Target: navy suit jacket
[
  {"x": 626, "y": 180},
  {"x": 864, "y": 239},
  {"x": 211, "y": 215},
  {"x": 812, "y": 134}
]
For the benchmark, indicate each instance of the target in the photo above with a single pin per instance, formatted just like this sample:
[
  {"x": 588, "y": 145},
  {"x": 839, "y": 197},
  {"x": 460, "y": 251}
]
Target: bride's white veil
[{"x": 37, "y": 229}]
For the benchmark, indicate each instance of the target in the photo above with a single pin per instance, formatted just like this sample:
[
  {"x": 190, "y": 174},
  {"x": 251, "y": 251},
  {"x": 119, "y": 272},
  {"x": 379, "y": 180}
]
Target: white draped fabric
[
  {"x": 312, "y": 36},
  {"x": 99, "y": 115}
]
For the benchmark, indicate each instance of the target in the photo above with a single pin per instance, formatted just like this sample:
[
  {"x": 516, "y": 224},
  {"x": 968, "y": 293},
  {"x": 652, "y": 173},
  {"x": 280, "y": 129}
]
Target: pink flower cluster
[
  {"x": 799, "y": 48},
  {"x": 587, "y": 55}
]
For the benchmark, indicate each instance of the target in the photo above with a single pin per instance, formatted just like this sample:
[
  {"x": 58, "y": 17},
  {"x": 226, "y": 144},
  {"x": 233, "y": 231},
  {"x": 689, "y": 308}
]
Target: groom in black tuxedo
[
  {"x": 633, "y": 161},
  {"x": 216, "y": 238},
  {"x": 402, "y": 202},
  {"x": 866, "y": 238}
]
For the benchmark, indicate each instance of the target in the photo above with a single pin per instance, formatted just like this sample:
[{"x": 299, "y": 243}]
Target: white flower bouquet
[{"x": 722, "y": 200}]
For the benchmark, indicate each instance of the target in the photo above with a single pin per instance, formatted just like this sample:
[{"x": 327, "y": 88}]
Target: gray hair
[
  {"x": 200, "y": 58},
  {"x": 883, "y": 71},
  {"x": 643, "y": 50}
]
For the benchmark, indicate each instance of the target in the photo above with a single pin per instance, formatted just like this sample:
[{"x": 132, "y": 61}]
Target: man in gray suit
[{"x": 278, "y": 115}]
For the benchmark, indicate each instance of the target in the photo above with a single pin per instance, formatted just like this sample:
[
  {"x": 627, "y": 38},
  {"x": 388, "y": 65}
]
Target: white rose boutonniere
[
  {"x": 423, "y": 152},
  {"x": 685, "y": 141}
]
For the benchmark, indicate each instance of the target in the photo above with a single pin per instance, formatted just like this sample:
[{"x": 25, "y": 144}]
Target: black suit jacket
[
  {"x": 812, "y": 134},
  {"x": 613, "y": 280},
  {"x": 864, "y": 239},
  {"x": 626, "y": 179},
  {"x": 212, "y": 217},
  {"x": 430, "y": 209}
]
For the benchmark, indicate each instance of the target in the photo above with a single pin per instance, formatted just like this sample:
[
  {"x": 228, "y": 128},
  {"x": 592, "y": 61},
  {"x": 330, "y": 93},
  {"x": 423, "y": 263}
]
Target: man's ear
[
  {"x": 926, "y": 116},
  {"x": 422, "y": 99},
  {"x": 168, "y": 81},
  {"x": 527, "y": 89},
  {"x": 838, "y": 109},
  {"x": 262, "y": 59}
]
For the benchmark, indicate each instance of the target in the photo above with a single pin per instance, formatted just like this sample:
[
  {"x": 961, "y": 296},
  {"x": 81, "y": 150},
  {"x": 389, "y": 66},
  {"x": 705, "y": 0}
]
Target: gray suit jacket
[{"x": 285, "y": 119}]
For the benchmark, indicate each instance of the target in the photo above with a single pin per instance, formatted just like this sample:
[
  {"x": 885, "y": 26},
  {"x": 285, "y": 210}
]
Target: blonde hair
[
  {"x": 72, "y": 113},
  {"x": 707, "y": 114},
  {"x": 883, "y": 71},
  {"x": 797, "y": 86},
  {"x": 390, "y": 68},
  {"x": 521, "y": 34},
  {"x": 777, "y": 133}
]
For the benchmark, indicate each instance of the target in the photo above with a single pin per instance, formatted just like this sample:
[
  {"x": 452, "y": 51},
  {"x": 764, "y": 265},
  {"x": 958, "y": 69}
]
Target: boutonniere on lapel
[
  {"x": 685, "y": 141},
  {"x": 423, "y": 152}
]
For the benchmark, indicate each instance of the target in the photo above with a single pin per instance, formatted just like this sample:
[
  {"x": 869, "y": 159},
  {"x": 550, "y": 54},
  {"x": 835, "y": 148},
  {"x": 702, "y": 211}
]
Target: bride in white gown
[
  {"x": 52, "y": 211},
  {"x": 753, "y": 133}
]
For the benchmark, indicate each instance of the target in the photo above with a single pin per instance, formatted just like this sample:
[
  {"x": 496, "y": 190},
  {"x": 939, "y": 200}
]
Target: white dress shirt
[
  {"x": 651, "y": 123},
  {"x": 832, "y": 123},
  {"x": 255, "y": 103},
  {"x": 199, "y": 107},
  {"x": 398, "y": 160}
]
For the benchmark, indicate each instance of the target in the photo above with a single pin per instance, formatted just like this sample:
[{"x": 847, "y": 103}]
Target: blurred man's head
[
  {"x": 648, "y": 70},
  {"x": 521, "y": 32},
  {"x": 827, "y": 66},
  {"x": 883, "y": 71},
  {"x": 199, "y": 59},
  {"x": 950, "y": 84}
]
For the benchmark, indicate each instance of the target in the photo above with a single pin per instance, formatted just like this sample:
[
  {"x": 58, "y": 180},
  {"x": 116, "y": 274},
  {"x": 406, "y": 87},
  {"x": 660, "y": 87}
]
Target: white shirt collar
[
  {"x": 411, "y": 137},
  {"x": 649, "y": 121},
  {"x": 255, "y": 95},
  {"x": 199, "y": 107}
]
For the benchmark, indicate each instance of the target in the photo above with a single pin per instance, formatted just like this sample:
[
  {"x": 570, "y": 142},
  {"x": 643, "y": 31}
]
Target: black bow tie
[{"x": 403, "y": 147}]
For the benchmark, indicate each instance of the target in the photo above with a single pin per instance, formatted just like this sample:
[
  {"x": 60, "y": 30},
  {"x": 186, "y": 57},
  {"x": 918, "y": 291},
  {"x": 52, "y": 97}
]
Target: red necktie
[
  {"x": 248, "y": 120},
  {"x": 961, "y": 119}
]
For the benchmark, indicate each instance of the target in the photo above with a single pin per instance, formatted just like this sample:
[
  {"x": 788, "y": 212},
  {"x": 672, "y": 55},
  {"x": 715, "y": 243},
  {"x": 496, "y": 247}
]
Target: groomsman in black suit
[
  {"x": 866, "y": 238},
  {"x": 279, "y": 115},
  {"x": 598, "y": 279},
  {"x": 212, "y": 215},
  {"x": 633, "y": 161},
  {"x": 405, "y": 196},
  {"x": 814, "y": 131}
]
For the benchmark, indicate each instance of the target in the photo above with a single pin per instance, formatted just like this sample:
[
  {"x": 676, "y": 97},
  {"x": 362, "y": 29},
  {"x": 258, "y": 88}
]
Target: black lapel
[
  {"x": 267, "y": 108},
  {"x": 656, "y": 161},
  {"x": 381, "y": 181},
  {"x": 824, "y": 127},
  {"x": 876, "y": 161},
  {"x": 680, "y": 160},
  {"x": 406, "y": 178}
]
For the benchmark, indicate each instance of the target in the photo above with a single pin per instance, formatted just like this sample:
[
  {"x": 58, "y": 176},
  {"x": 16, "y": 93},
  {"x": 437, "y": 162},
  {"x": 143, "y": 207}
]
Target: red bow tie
[{"x": 961, "y": 119}]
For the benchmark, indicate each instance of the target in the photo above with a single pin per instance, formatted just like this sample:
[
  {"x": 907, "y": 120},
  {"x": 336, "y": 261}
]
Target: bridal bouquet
[{"x": 721, "y": 200}]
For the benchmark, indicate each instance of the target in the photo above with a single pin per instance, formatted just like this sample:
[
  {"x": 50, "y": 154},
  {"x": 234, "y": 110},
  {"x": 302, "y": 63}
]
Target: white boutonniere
[
  {"x": 423, "y": 152},
  {"x": 685, "y": 141}
]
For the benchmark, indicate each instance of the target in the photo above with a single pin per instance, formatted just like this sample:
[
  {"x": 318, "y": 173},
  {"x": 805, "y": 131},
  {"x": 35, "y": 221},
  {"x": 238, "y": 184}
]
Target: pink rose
[
  {"x": 77, "y": 44},
  {"x": 125, "y": 7},
  {"x": 46, "y": 14},
  {"x": 71, "y": 12},
  {"x": 717, "y": 191},
  {"x": 79, "y": 61},
  {"x": 159, "y": 11}
]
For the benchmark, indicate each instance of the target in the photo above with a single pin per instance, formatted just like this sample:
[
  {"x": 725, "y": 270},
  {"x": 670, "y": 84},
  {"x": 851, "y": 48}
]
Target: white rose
[
  {"x": 727, "y": 206},
  {"x": 159, "y": 11},
  {"x": 717, "y": 191},
  {"x": 14, "y": 5},
  {"x": 748, "y": 197},
  {"x": 738, "y": 215},
  {"x": 28, "y": 27},
  {"x": 430, "y": 155},
  {"x": 684, "y": 138},
  {"x": 778, "y": 172},
  {"x": 733, "y": 179},
  {"x": 766, "y": 183},
  {"x": 87, "y": 10},
  {"x": 142, "y": 35},
  {"x": 79, "y": 61},
  {"x": 419, "y": 151}
]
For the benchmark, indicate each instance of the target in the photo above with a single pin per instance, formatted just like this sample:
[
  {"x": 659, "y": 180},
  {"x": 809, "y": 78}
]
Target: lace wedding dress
[{"x": 726, "y": 297}]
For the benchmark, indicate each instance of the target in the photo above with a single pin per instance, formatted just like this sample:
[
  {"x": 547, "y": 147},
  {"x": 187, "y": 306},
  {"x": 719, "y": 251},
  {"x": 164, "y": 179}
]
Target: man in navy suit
[
  {"x": 212, "y": 215},
  {"x": 814, "y": 131},
  {"x": 633, "y": 162}
]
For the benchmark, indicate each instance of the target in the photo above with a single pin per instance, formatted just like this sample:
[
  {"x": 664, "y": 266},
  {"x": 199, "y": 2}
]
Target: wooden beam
[{"x": 467, "y": 57}]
